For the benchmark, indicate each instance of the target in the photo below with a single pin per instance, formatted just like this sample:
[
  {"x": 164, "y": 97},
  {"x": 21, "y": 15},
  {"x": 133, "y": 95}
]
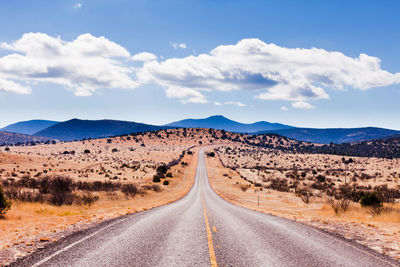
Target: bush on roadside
[
  {"x": 304, "y": 194},
  {"x": 156, "y": 179},
  {"x": 339, "y": 205},
  {"x": 60, "y": 188},
  {"x": 5, "y": 204},
  {"x": 371, "y": 199},
  {"x": 154, "y": 187},
  {"x": 166, "y": 182},
  {"x": 130, "y": 190}
]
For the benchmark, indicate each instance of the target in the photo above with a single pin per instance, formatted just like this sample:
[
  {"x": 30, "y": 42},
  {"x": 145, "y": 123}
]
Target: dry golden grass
[
  {"x": 28, "y": 226},
  {"x": 380, "y": 232}
]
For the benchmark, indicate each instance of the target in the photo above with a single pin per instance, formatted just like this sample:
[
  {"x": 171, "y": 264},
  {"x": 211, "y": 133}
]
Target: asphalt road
[{"x": 202, "y": 229}]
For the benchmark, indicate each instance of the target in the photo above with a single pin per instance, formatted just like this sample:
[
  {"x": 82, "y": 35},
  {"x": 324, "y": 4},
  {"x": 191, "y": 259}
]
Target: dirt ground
[
  {"x": 381, "y": 233},
  {"x": 233, "y": 172},
  {"x": 29, "y": 226}
]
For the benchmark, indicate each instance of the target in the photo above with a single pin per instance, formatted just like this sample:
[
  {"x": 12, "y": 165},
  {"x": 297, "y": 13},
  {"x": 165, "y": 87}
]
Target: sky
[{"x": 320, "y": 64}]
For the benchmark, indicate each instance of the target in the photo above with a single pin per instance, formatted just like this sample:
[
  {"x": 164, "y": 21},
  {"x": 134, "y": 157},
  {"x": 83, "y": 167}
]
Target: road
[{"x": 202, "y": 229}]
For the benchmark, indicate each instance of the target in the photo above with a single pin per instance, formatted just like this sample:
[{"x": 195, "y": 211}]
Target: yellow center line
[{"x": 213, "y": 259}]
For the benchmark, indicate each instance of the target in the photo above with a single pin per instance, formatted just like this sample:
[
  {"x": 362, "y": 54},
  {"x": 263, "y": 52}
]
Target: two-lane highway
[{"x": 202, "y": 229}]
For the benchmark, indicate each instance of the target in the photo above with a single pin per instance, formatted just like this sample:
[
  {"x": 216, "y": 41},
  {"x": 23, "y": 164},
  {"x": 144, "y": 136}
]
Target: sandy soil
[
  {"x": 29, "y": 226},
  {"x": 381, "y": 233}
]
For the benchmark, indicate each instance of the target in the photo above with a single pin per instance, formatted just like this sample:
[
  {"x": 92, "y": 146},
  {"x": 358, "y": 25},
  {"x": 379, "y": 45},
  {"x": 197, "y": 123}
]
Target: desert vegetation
[
  {"x": 356, "y": 197},
  {"x": 313, "y": 175}
]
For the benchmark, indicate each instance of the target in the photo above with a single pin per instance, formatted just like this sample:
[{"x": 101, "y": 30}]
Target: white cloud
[
  {"x": 217, "y": 103},
  {"x": 178, "y": 45},
  {"x": 236, "y": 103},
  {"x": 302, "y": 105},
  {"x": 271, "y": 71},
  {"x": 144, "y": 56},
  {"x": 78, "y": 5},
  {"x": 10, "y": 86},
  {"x": 186, "y": 95},
  {"x": 84, "y": 65},
  {"x": 284, "y": 108}
]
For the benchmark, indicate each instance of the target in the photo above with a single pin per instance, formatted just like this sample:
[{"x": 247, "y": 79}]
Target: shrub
[
  {"x": 339, "y": 204},
  {"x": 88, "y": 199},
  {"x": 156, "y": 179},
  {"x": 60, "y": 188},
  {"x": 244, "y": 187},
  {"x": 169, "y": 175},
  {"x": 321, "y": 178},
  {"x": 211, "y": 154},
  {"x": 154, "y": 187},
  {"x": 162, "y": 169},
  {"x": 130, "y": 190},
  {"x": 87, "y": 151},
  {"x": 371, "y": 199},
  {"x": 5, "y": 204},
  {"x": 166, "y": 182},
  {"x": 304, "y": 194},
  {"x": 279, "y": 185}
]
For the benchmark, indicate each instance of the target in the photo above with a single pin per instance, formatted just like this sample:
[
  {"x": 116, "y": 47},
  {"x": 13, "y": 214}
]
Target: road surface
[{"x": 202, "y": 229}]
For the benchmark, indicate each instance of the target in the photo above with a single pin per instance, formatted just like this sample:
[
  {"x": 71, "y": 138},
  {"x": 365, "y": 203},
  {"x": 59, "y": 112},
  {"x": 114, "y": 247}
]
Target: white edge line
[{"x": 75, "y": 243}]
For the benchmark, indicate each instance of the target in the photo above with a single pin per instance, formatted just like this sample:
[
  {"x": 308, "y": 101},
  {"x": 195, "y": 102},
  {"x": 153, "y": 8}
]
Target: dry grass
[
  {"x": 379, "y": 231},
  {"x": 28, "y": 226}
]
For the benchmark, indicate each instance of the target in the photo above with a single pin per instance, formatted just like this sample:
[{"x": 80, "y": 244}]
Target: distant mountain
[
  {"x": 221, "y": 123},
  {"x": 76, "y": 129},
  {"x": 8, "y": 138},
  {"x": 340, "y": 135},
  {"x": 29, "y": 127}
]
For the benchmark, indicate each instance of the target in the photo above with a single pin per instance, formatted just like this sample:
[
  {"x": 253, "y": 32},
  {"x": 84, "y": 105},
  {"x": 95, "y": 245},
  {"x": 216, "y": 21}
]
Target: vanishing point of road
[{"x": 202, "y": 229}]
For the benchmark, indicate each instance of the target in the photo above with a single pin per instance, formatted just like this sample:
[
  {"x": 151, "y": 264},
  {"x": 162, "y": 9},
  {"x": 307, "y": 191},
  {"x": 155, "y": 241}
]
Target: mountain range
[
  {"x": 76, "y": 129},
  {"x": 28, "y": 127},
  {"x": 219, "y": 122}
]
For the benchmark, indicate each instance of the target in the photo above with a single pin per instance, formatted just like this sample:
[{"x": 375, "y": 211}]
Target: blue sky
[{"x": 301, "y": 87}]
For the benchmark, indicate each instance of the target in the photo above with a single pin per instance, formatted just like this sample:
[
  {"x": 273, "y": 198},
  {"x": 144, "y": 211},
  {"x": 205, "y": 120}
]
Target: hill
[
  {"x": 380, "y": 148},
  {"x": 29, "y": 127},
  {"x": 8, "y": 138},
  {"x": 76, "y": 129},
  {"x": 221, "y": 123},
  {"x": 340, "y": 135}
]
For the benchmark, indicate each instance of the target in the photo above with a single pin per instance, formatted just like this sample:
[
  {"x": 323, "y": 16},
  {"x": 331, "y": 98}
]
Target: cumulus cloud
[
  {"x": 83, "y": 65},
  {"x": 270, "y": 71},
  {"x": 10, "y": 86},
  {"x": 178, "y": 45},
  {"x": 302, "y": 105},
  {"x": 284, "y": 108},
  {"x": 144, "y": 56},
  {"x": 186, "y": 95},
  {"x": 78, "y": 5},
  {"x": 216, "y": 103}
]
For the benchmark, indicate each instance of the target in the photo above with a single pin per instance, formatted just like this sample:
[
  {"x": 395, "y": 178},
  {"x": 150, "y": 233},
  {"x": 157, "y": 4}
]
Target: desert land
[{"x": 63, "y": 187}]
